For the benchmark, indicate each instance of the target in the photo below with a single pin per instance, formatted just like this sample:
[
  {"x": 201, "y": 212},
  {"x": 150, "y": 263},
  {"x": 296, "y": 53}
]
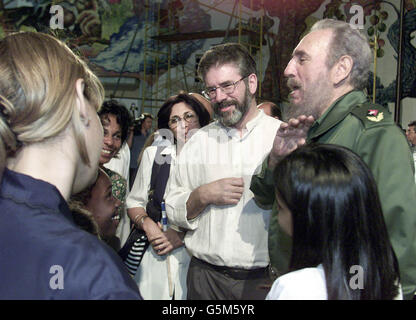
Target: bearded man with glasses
[{"x": 209, "y": 196}]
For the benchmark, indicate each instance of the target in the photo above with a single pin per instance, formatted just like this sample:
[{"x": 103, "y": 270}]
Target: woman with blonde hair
[{"x": 51, "y": 138}]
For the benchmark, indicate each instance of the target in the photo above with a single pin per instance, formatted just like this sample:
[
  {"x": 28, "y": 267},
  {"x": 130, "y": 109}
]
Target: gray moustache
[
  {"x": 292, "y": 84},
  {"x": 224, "y": 104}
]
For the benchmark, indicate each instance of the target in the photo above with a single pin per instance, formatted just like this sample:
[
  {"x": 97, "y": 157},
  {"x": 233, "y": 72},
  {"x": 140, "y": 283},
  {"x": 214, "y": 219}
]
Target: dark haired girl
[{"x": 328, "y": 202}]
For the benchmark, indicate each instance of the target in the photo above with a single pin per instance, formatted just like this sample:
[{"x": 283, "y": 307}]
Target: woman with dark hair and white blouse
[{"x": 178, "y": 118}]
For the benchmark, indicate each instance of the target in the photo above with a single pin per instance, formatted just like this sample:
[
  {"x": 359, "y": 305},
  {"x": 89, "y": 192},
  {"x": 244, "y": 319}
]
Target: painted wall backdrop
[{"x": 154, "y": 46}]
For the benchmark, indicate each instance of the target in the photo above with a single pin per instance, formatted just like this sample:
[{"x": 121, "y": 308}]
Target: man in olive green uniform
[{"x": 326, "y": 76}]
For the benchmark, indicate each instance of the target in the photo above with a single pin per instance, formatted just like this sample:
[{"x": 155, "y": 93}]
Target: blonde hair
[{"x": 37, "y": 91}]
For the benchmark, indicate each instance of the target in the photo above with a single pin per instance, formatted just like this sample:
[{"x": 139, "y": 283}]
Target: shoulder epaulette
[{"x": 372, "y": 114}]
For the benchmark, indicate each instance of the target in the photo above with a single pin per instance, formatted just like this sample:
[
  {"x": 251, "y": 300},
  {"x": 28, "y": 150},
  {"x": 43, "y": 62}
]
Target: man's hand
[
  {"x": 227, "y": 191},
  {"x": 290, "y": 136},
  {"x": 224, "y": 191}
]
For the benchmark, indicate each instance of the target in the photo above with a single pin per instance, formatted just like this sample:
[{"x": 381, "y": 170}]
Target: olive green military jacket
[{"x": 369, "y": 130}]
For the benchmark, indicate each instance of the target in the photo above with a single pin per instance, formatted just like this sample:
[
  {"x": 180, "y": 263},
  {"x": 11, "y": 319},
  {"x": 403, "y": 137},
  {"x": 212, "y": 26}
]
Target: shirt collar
[
  {"x": 336, "y": 113},
  {"x": 22, "y": 188},
  {"x": 250, "y": 125}
]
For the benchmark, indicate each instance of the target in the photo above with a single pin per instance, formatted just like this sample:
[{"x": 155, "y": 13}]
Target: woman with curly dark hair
[{"x": 116, "y": 121}]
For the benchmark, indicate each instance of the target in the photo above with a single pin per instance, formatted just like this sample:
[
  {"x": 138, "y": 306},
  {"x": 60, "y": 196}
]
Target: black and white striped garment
[{"x": 136, "y": 253}]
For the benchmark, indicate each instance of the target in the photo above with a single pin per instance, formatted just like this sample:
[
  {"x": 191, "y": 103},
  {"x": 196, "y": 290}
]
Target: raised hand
[{"x": 289, "y": 136}]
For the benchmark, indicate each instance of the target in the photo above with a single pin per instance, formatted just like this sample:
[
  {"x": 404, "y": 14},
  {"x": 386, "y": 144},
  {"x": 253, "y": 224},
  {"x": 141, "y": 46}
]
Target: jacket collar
[
  {"x": 22, "y": 188},
  {"x": 336, "y": 113}
]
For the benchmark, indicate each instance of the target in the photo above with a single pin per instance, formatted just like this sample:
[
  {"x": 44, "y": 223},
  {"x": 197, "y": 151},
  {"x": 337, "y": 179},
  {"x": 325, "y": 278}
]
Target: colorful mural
[
  {"x": 136, "y": 32},
  {"x": 104, "y": 32},
  {"x": 107, "y": 31},
  {"x": 385, "y": 94}
]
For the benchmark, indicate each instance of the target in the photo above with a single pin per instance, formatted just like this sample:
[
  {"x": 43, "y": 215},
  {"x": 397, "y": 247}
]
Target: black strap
[
  {"x": 137, "y": 242},
  {"x": 158, "y": 181},
  {"x": 155, "y": 170}
]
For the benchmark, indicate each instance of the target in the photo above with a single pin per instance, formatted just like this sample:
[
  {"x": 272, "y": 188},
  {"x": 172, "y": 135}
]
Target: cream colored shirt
[
  {"x": 231, "y": 235},
  {"x": 139, "y": 193},
  {"x": 153, "y": 275}
]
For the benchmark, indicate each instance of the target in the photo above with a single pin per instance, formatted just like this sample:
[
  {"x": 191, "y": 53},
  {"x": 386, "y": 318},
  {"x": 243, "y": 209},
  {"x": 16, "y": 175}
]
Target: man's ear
[
  {"x": 252, "y": 83},
  {"x": 81, "y": 102},
  {"x": 342, "y": 70}
]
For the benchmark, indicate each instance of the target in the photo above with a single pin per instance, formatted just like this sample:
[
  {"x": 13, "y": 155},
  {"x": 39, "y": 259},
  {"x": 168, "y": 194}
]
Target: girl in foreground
[{"x": 328, "y": 202}]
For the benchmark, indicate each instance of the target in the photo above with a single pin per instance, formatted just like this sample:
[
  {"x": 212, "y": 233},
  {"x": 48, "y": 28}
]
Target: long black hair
[{"x": 337, "y": 221}]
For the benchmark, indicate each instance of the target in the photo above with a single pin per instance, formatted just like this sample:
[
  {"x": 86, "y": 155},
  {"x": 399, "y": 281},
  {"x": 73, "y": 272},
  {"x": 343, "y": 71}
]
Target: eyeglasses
[
  {"x": 188, "y": 117},
  {"x": 211, "y": 93}
]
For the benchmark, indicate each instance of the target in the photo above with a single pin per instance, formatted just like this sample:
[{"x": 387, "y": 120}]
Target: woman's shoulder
[
  {"x": 303, "y": 284},
  {"x": 103, "y": 273}
]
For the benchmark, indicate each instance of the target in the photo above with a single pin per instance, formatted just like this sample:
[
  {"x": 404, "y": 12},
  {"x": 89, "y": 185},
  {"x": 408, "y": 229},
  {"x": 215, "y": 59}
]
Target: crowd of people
[{"x": 228, "y": 199}]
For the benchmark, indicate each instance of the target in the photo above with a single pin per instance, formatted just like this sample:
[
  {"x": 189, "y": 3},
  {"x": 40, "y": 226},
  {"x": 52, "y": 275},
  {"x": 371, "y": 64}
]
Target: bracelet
[
  {"x": 142, "y": 219},
  {"x": 137, "y": 217}
]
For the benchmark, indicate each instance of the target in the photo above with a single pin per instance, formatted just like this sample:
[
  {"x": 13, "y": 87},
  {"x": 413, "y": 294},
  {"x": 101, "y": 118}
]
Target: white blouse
[
  {"x": 304, "y": 284},
  {"x": 152, "y": 276}
]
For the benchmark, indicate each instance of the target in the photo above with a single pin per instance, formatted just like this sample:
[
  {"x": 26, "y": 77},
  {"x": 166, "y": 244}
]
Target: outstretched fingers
[{"x": 290, "y": 136}]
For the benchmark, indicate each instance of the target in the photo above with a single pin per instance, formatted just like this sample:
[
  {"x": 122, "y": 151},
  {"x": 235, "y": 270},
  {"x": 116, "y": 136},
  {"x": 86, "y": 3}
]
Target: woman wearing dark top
[{"x": 51, "y": 138}]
